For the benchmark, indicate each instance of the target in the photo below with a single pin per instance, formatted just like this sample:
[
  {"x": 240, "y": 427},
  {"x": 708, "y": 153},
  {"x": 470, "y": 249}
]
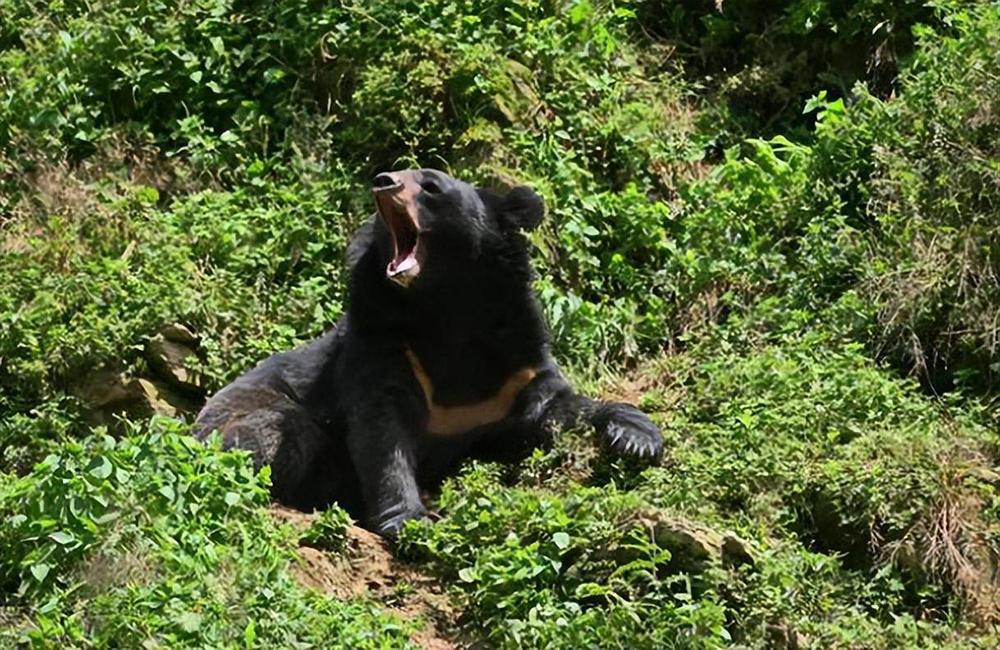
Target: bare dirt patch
[
  {"x": 366, "y": 568},
  {"x": 652, "y": 376}
]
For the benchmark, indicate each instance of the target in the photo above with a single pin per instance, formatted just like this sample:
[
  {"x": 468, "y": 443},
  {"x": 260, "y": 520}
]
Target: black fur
[{"x": 344, "y": 419}]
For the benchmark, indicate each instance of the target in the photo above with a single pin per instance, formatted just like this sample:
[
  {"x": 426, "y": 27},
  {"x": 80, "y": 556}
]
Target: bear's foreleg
[{"x": 550, "y": 404}]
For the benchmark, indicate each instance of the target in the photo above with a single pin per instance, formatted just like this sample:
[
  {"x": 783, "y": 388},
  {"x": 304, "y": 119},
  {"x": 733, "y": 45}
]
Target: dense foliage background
[{"x": 776, "y": 225}]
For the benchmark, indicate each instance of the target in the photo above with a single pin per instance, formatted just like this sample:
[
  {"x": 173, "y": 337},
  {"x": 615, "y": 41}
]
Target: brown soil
[
  {"x": 652, "y": 375},
  {"x": 367, "y": 569},
  {"x": 630, "y": 390}
]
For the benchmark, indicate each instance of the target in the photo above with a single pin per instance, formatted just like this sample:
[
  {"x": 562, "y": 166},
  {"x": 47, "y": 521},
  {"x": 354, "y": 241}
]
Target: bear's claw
[{"x": 627, "y": 431}]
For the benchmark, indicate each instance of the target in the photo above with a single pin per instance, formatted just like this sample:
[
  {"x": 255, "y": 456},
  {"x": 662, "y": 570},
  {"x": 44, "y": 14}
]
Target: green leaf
[
  {"x": 40, "y": 571},
  {"x": 250, "y": 634},
  {"x": 107, "y": 518},
  {"x": 815, "y": 102},
  {"x": 274, "y": 74},
  {"x": 61, "y": 537},
  {"x": 561, "y": 540},
  {"x": 189, "y": 621},
  {"x": 103, "y": 468},
  {"x": 580, "y": 11}
]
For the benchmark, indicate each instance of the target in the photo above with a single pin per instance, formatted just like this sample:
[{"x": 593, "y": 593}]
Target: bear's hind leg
[{"x": 306, "y": 472}]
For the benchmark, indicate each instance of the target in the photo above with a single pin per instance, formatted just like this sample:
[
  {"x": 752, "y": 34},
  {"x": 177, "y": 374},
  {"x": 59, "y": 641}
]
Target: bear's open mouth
[{"x": 398, "y": 208}]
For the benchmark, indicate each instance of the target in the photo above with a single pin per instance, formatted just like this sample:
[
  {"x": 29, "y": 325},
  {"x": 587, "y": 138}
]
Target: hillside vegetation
[{"x": 774, "y": 225}]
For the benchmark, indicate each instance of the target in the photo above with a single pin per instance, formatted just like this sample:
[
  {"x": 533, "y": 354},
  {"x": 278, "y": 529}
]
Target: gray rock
[
  {"x": 162, "y": 399},
  {"x": 110, "y": 393},
  {"x": 104, "y": 387},
  {"x": 180, "y": 333},
  {"x": 693, "y": 543},
  {"x": 172, "y": 362}
]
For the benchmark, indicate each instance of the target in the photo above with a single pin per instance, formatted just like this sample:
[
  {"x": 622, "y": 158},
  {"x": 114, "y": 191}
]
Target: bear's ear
[{"x": 522, "y": 208}]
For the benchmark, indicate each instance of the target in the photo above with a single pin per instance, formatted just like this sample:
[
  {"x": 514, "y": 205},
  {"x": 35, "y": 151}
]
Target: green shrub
[
  {"x": 811, "y": 439},
  {"x": 219, "y": 80},
  {"x": 762, "y": 60},
  {"x": 932, "y": 269},
  {"x": 157, "y": 538},
  {"x": 254, "y": 270},
  {"x": 329, "y": 530},
  {"x": 571, "y": 573}
]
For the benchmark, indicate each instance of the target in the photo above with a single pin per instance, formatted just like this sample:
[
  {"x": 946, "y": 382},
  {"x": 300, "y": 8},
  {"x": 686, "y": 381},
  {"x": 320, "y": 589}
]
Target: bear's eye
[{"x": 430, "y": 187}]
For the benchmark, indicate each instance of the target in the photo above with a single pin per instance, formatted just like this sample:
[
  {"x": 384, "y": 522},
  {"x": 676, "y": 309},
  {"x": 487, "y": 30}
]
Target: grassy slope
[{"x": 206, "y": 163}]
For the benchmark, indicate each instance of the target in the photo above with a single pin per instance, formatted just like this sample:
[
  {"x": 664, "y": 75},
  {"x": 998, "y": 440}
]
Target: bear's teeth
[{"x": 403, "y": 265}]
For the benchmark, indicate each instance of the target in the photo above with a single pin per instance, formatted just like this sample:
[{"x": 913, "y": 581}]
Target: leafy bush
[
  {"x": 810, "y": 438},
  {"x": 254, "y": 270},
  {"x": 762, "y": 60},
  {"x": 329, "y": 530},
  {"x": 570, "y": 574},
  {"x": 932, "y": 269},
  {"x": 157, "y": 538},
  {"x": 883, "y": 216},
  {"x": 217, "y": 80}
]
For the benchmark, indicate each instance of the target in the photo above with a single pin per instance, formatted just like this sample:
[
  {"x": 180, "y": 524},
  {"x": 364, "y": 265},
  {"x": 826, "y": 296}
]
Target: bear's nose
[{"x": 384, "y": 181}]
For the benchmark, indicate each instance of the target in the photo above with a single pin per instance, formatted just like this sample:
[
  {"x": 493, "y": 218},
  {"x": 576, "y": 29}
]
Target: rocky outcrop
[
  {"x": 169, "y": 386},
  {"x": 693, "y": 543},
  {"x": 172, "y": 354},
  {"x": 694, "y": 546}
]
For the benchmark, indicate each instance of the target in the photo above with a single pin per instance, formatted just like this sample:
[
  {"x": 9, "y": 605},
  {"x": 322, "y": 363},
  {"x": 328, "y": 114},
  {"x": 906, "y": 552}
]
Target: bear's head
[{"x": 435, "y": 229}]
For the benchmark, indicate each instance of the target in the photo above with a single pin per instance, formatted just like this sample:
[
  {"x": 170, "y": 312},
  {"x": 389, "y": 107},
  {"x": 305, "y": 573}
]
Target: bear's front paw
[
  {"x": 627, "y": 431},
  {"x": 389, "y": 522}
]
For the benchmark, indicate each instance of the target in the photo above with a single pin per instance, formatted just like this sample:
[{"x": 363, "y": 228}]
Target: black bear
[{"x": 442, "y": 354}]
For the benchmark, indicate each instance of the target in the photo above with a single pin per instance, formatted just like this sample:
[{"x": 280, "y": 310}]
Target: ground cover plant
[{"x": 773, "y": 225}]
